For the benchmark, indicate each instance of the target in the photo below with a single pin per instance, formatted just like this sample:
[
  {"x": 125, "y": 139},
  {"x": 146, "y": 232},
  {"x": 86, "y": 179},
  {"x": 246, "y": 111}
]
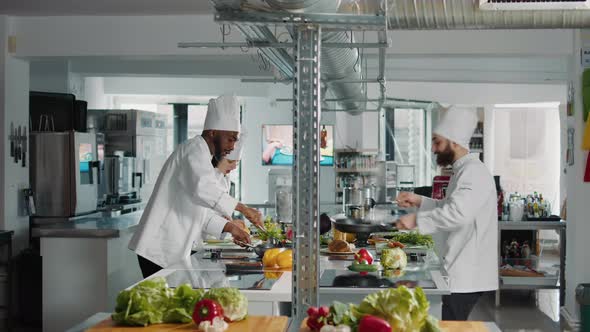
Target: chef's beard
[
  {"x": 446, "y": 157},
  {"x": 218, "y": 153}
]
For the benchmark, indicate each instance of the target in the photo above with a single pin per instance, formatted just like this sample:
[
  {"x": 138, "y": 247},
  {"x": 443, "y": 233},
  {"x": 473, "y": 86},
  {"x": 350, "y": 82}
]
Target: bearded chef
[
  {"x": 229, "y": 163},
  {"x": 223, "y": 168},
  {"x": 468, "y": 215},
  {"x": 187, "y": 199}
]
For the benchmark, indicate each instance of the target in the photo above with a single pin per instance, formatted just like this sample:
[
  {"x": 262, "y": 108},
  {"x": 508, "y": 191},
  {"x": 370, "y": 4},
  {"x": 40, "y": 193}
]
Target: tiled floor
[{"x": 530, "y": 311}]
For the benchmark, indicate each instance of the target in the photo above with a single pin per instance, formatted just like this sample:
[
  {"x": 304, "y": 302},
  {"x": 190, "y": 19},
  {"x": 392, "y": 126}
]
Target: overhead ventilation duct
[
  {"x": 336, "y": 63},
  {"x": 467, "y": 14}
]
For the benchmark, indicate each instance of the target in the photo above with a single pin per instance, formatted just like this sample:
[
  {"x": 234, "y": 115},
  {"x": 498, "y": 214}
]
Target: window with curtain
[{"x": 527, "y": 149}]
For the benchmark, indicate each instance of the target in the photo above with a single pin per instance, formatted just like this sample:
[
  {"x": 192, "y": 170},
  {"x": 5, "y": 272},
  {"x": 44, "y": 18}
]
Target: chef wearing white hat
[
  {"x": 186, "y": 194},
  {"x": 468, "y": 215},
  {"x": 229, "y": 163}
]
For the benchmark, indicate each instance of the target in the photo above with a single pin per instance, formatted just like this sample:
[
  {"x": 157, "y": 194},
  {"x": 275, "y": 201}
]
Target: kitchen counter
[
  {"x": 90, "y": 227},
  {"x": 267, "y": 296},
  {"x": 86, "y": 263}
]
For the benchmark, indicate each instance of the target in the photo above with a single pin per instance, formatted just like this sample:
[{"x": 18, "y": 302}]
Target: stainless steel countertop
[{"x": 90, "y": 227}]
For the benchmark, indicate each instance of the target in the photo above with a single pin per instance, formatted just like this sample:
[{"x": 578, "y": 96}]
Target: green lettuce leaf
[
  {"x": 405, "y": 310},
  {"x": 144, "y": 304},
  {"x": 182, "y": 304},
  {"x": 234, "y": 303}
]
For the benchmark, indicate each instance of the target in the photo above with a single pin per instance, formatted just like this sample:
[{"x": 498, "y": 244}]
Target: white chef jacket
[
  {"x": 223, "y": 182},
  {"x": 181, "y": 206},
  {"x": 469, "y": 216}
]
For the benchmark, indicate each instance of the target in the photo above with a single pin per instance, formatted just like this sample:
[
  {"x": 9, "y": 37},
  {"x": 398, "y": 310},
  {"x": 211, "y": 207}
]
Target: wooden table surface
[
  {"x": 446, "y": 326},
  {"x": 252, "y": 323}
]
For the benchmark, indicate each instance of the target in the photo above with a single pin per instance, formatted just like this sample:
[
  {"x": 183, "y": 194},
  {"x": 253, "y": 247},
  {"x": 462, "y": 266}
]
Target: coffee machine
[{"x": 122, "y": 183}]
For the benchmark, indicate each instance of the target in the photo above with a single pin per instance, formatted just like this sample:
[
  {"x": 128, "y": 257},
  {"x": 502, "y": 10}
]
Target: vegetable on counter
[
  {"x": 373, "y": 324},
  {"x": 403, "y": 309},
  {"x": 393, "y": 309},
  {"x": 278, "y": 258},
  {"x": 234, "y": 303},
  {"x": 317, "y": 317},
  {"x": 273, "y": 231},
  {"x": 363, "y": 254},
  {"x": 206, "y": 310},
  {"x": 152, "y": 302},
  {"x": 363, "y": 267},
  {"x": 394, "y": 258},
  {"x": 413, "y": 238},
  {"x": 339, "y": 328},
  {"x": 216, "y": 325}
]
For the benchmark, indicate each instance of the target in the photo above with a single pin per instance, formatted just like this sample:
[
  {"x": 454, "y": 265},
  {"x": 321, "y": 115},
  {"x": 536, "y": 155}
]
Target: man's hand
[
  {"x": 407, "y": 222},
  {"x": 237, "y": 232},
  {"x": 408, "y": 199},
  {"x": 251, "y": 214}
]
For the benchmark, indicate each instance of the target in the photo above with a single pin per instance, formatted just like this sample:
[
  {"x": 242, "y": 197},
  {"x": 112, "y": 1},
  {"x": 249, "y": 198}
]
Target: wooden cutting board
[
  {"x": 252, "y": 323},
  {"x": 445, "y": 326}
]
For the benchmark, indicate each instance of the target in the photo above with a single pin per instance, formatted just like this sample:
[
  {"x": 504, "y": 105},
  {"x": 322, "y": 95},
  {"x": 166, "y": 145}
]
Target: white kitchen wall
[
  {"x": 49, "y": 76},
  {"x": 259, "y": 108},
  {"x": 578, "y": 225},
  {"x": 14, "y": 106},
  {"x": 55, "y": 76}
]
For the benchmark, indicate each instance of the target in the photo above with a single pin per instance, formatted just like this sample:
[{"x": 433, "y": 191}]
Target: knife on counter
[
  {"x": 24, "y": 148},
  {"x": 11, "y": 138},
  {"x": 16, "y": 146}
]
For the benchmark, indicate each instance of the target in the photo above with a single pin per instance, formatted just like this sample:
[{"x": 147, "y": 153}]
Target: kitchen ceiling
[{"x": 103, "y": 7}]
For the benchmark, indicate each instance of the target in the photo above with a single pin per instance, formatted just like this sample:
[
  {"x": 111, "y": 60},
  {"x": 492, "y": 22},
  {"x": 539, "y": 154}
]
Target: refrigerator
[
  {"x": 142, "y": 135},
  {"x": 64, "y": 173}
]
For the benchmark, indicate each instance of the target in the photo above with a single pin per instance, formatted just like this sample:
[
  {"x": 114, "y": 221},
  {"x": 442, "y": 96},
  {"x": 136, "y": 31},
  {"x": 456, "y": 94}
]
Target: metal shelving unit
[
  {"x": 560, "y": 226},
  {"x": 303, "y": 69}
]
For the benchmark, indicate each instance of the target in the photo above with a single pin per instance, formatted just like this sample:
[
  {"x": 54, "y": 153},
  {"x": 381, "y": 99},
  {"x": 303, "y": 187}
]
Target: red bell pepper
[
  {"x": 207, "y": 310},
  {"x": 363, "y": 254},
  {"x": 373, "y": 324}
]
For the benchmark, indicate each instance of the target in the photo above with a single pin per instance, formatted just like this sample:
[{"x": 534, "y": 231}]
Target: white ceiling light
[
  {"x": 552, "y": 104},
  {"x": 533, "y": 4}
]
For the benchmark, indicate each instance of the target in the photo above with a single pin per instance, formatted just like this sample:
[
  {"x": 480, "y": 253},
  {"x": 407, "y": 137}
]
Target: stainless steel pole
[{"x": 306, "y": 154}]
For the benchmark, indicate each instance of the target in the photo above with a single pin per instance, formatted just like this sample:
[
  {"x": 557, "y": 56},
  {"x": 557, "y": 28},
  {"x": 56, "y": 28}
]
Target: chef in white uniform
[
  {"x": 468, "y": 215},
  {"x": 187, "y": 193},
  {"x": 229, "y": 163},
  {"x": 223, "y": 168}
]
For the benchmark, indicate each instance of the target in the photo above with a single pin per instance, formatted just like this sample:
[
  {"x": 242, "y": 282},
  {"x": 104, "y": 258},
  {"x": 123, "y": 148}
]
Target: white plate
[{"x": 327, "y": 251}]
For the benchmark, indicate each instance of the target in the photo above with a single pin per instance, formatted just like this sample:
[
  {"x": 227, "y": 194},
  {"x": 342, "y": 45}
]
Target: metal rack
[
  {"x": 535, "y": 226},
  {"x": 307, "y": 30}
]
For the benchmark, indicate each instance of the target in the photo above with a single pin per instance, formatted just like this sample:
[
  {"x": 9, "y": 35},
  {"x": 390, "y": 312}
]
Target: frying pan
[
  {"x": 353, "y": 225},
  {"x": 259, "y": 249}
]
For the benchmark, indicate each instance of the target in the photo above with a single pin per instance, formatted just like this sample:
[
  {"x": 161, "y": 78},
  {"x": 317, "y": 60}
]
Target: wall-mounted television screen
[{"x": 277, "y": 145}]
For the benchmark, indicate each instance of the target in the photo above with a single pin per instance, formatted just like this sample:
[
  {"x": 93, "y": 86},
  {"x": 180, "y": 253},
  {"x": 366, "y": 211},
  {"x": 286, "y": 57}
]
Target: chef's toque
[
  {"x": 223, "y": 113},
  {"x": 458, "y": 124}
]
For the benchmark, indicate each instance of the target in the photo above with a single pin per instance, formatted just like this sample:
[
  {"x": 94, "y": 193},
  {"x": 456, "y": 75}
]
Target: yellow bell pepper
[
  {"x": 269, "y": 258},
  {"x": 285, "y": 259},
  {"x": 273, "y": 275}
]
